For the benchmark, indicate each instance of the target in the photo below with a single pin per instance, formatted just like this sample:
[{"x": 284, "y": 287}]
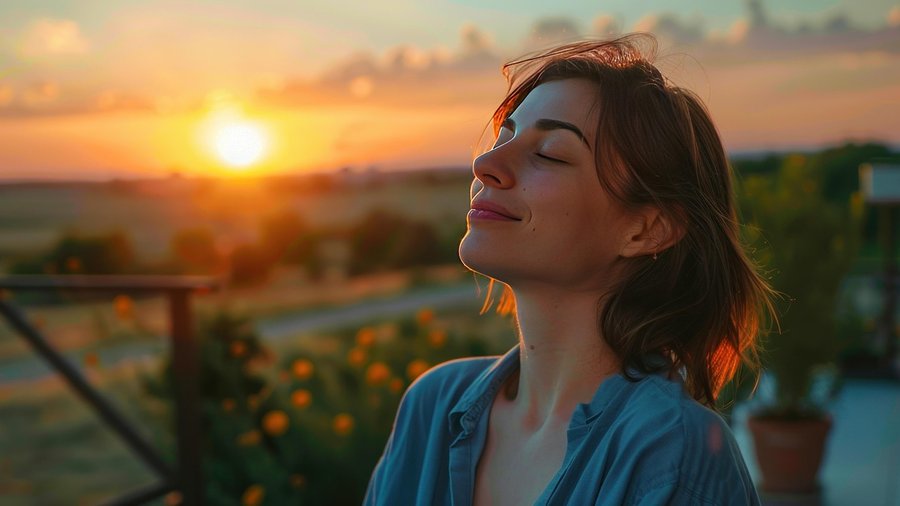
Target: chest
[{"x": 516, "y": 467}]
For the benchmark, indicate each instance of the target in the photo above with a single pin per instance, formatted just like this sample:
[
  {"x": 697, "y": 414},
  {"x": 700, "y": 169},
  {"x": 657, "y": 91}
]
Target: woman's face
[{"x": 539, "y": 213}]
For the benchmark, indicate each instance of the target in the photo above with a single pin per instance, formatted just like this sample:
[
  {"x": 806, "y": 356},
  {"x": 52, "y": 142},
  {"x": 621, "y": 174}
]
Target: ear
[{"x": 651, "y": 232}]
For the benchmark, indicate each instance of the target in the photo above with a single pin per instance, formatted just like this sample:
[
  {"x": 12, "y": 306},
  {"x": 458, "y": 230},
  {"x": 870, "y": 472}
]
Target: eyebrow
[{"x": 548, "y": 124}]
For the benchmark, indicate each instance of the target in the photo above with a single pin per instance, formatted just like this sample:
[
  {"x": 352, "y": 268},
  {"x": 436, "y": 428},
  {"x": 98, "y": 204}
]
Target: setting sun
[{"x": 240, "y": 144}]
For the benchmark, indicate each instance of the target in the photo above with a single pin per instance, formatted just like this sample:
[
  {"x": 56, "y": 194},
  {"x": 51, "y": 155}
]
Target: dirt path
[{"x": 272, "y": 330}]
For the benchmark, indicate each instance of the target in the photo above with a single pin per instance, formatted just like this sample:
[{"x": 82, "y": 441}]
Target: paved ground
[{"x": 862, "y": 460}]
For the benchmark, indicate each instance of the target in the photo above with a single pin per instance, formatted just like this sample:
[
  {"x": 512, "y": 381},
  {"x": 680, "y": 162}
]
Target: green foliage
[
  {"x": 194, "y": 251},
  {"x": 73, "y": 253},
  {"x": 808, "y": 243},
  {"x": 385, "y": 241},
  {"x": 310, "y": 427},
  {"x": 285, "y": 237},
  {"x": 838, "y": 168},
  {"x": 250, "y": 265}
]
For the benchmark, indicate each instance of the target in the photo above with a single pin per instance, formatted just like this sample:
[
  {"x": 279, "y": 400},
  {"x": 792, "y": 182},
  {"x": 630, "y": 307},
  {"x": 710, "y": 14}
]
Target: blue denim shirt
[{"x": 644, "y": 442}]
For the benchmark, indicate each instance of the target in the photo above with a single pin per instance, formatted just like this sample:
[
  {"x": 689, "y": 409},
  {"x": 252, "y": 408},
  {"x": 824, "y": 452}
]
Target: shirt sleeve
[
  {"x": 688, "y": 457},
  {"x": 383, "y": 487}
]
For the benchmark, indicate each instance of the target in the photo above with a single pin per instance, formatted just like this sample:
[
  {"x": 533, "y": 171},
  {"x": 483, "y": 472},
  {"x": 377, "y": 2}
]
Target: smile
[{"x": 489, "y": 211}]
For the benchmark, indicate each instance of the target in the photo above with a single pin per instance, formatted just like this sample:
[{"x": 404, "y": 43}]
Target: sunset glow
[
  {"x": 240, "y": 144},
  {"x": 273, "y": 88}
]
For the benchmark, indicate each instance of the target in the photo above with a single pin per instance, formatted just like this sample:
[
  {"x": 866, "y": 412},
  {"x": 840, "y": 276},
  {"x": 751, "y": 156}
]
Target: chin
[
  {"x": 474, "y": 256},
  {"x": 483, "y": 259}
]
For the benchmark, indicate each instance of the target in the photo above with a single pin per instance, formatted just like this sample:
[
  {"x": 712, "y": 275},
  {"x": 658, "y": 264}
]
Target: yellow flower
[
  {"x": 91, "y": 360},
  {"x": 356, "y": 356},
  {"x": 73, "y": 264},
  {"x": 424, "y": 317},
  {"x": 377, "y": 373},
  {"x": 237, "y": 348},
  {"x": 437, "y": 338},
  {"x": 416, "y": 368},
  {"x": 301, "y": 398},
  {"x": 342, "y": 424},
  {"x": 253, "y": 496},
  {"x": 396, "y": 385},
  {"x": 249, "y": 438},
  {"x": 173, "y": 498},
  {"x": 302, "y": 368},
  {"x": 365, "y": 337},
  {"x": 298, "y": 480},
  {"x": 124, "y": 307},
  {"x": 276, "y": 422}
]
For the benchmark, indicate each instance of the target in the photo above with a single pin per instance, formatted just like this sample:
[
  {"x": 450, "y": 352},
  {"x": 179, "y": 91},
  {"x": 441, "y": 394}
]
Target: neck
[{"x": 563, "y": 357}]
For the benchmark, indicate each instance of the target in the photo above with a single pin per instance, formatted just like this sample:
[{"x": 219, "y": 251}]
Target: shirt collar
[
  {"x": 479, "y": 395},
  {"x": 465, "y": 414}
]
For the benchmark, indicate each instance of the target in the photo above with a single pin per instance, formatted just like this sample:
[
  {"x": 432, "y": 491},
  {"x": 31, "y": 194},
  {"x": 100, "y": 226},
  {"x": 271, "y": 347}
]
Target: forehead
[{"x": 570, "y": 100}]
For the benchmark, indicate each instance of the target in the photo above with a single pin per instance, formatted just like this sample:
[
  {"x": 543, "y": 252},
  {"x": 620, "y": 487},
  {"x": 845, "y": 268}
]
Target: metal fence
[{"x": 187, "y": 476}]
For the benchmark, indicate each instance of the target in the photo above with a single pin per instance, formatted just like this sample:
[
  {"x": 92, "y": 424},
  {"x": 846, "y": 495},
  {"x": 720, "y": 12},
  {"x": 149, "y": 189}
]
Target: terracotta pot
[{"x": 789, "y": 452}]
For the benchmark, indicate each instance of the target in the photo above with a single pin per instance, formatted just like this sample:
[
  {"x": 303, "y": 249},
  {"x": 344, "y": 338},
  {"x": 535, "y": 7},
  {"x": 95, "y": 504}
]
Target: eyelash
[{"x": 549, "y": 158}]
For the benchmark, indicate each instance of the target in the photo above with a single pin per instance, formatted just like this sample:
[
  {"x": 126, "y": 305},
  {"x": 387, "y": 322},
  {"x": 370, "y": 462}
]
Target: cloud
[
  {"x": 606, "y": 26},
  {"x": 49, "y": 98},
  {"x": 552, "y": 30},
  {"x": 7, "y": 94},
  {"x": 672, "y": 29},
  {"x": 757, "y": 36},
  {"x": 474, "y": 41},
  {"x": 404, "y": 76},
  {"x": 109, "y": 101},
  {"x": 40, "y": 94},
  {"x": 53, "y": 37}
]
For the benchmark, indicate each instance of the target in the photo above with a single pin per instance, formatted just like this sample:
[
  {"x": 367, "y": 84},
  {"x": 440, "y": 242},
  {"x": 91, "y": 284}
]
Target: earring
[{"x": 654, "y": 256}]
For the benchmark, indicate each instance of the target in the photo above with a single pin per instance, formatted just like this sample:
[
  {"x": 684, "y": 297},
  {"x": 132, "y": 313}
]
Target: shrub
[{"x": 310, "y": 429}]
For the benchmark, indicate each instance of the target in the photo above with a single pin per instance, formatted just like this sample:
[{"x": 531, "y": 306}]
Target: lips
[{"x": 491, "y": 211}]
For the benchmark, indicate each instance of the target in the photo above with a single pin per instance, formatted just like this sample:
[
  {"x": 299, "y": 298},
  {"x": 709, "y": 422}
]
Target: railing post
[{"x": 186, "y": 374}]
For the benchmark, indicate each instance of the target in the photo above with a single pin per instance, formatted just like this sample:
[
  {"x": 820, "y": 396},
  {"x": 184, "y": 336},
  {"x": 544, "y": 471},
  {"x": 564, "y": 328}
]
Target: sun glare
[{"x": 240, "y": 144}]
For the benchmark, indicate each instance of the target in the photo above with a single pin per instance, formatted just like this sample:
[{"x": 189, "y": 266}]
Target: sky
[{"x": 93, "y": 89}]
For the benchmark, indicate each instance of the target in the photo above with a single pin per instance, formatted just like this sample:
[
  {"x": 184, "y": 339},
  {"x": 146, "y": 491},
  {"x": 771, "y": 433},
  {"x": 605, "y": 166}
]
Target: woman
[{"x": 605, "y": 208}]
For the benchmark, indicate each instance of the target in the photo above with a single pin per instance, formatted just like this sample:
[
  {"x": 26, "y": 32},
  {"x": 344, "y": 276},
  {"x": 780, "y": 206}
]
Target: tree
[
  {"x": 809, "y": 244},
  {"x": 74, "y": 253},
  {"x": 194, "y": 251},
  {"x": 249, "y": 265}
]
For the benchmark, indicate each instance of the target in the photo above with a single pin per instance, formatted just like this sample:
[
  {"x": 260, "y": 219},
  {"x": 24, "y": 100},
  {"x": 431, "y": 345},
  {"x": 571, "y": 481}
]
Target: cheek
[{"x": 474, "y": 188}]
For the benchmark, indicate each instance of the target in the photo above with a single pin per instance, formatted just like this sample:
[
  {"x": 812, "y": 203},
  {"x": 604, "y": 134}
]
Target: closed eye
[{"x": 550, "y": 158}]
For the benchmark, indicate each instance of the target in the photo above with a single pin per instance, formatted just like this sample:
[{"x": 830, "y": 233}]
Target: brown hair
[{"x": 701, "y": 302}]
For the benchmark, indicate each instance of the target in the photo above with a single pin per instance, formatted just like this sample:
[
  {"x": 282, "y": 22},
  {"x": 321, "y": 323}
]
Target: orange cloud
[
  {"x": 6, "y": 95},
  {"x": 767, "y": 85},
  {"x": 53, "y": 37}
]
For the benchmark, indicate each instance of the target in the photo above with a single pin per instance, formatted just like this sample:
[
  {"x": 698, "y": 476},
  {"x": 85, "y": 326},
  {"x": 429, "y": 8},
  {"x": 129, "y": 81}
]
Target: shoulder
[
  {"x": 413, "y": 462},
  {"x": 441, "y": 387},
  {"x": 688, "y": 450}
]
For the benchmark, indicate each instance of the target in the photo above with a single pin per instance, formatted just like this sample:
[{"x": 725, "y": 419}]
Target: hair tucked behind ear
[{"x": 701, "y": 303}]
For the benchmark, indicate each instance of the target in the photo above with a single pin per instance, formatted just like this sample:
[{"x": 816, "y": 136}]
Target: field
[
  {"x": 53, "y": 449},
  {"x": 33, "y": 215}
]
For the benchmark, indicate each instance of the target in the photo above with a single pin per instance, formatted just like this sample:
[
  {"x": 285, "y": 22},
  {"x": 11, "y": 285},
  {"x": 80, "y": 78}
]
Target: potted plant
[{"x": 808, "y": 245}]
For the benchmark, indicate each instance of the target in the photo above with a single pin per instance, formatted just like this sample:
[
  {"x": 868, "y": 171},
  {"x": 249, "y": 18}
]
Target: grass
[{"x": 55, "y": 450}]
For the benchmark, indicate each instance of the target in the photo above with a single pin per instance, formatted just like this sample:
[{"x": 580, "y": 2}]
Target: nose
[{"x": 493, "y": 168}]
